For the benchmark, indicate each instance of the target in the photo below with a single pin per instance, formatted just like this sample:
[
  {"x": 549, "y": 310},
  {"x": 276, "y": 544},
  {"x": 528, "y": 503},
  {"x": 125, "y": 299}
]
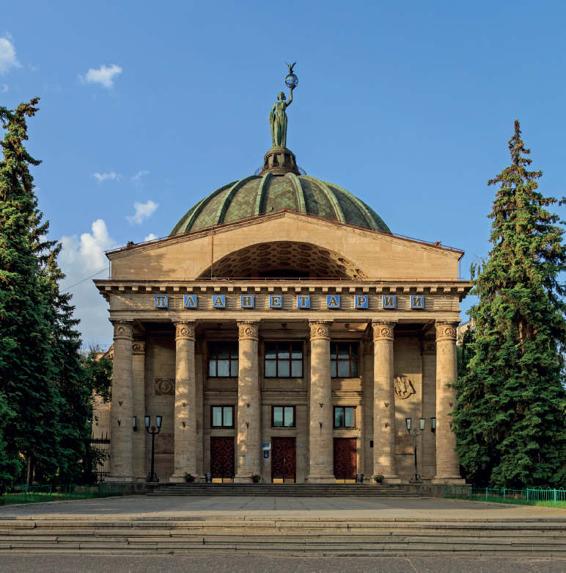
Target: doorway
[
  {"x": 345, "y": 459},
  {"x": 222, "y": 458},
  {"x": 283, "y": 460}
]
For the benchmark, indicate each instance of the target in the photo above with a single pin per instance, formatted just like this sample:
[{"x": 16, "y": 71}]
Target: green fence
[{"x": 528, "y": 495}]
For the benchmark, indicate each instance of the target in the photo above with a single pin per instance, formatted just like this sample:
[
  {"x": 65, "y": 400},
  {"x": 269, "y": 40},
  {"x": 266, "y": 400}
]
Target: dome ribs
[
  {"x": 231, "y": 194},
  {"x": 296, "y": 182},
  {"x": 261, "y": 193},
  {"x": 329, "y": 196}
]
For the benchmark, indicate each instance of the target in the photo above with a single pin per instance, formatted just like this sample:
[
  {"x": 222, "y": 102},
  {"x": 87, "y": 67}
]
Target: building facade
[{"x": 284, "y": 334}]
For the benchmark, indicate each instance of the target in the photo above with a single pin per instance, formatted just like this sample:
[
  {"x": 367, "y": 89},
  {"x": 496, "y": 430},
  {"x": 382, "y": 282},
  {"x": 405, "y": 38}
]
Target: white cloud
[
  {"x": 140, "y": 175},
  {"x": 104, "y": 75},
  {"x": 142, "y": 211},
  {"x": 106, "y": 176},
  {"x": 150, "y": 237},
  {"x": 8, "y": 59},
  {"x": 82, "y": 259}
]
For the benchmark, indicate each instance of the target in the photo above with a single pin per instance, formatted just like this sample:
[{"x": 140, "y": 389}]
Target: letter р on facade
[{"x": 306, "y": 305}]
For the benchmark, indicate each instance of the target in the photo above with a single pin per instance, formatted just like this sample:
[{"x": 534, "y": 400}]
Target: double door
[
  {"x": 222, "y": 457},
  {"x": 283, "y": 459},
  {"x": 345, "y": 458}
]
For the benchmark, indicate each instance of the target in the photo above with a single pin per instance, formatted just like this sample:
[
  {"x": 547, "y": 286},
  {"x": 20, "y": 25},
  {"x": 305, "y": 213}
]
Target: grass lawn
[{"x": 37, "y": 497}]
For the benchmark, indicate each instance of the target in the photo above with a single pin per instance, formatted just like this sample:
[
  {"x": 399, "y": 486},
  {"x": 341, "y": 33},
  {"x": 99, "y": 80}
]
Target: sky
[{"x": 147, "y": 107}]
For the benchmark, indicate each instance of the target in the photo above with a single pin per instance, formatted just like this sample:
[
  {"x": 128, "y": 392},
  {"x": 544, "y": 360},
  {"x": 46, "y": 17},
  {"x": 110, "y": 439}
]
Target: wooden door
[
  {"x": 222, "y": 457},
  {"x": 345, "y": 458},
  {"x": 283, "y": 459}
]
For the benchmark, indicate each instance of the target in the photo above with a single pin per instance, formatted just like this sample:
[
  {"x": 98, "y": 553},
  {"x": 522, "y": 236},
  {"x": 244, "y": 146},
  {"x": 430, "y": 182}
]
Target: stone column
[
  {"x": 384, "y": 429},
  {"x": 122, "y": 405},
  {"x": 138, "y": 397},
  {"x": 428, "y": 452},
  {"x": 447, "y": 466},
  {"x": 185, "y": 423},
  {"x": 321, "y": 427},
  {"x": 248, "y": 438}
]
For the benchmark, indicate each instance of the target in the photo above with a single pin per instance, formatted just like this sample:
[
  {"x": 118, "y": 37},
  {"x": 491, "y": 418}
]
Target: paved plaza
[
  {"x": 223, "y": 563},
  {"x": 221, "y": 507}
]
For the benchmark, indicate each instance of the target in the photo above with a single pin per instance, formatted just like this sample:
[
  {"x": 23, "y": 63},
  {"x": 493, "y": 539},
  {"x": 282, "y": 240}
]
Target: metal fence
[{"x": 528, "y": 495}]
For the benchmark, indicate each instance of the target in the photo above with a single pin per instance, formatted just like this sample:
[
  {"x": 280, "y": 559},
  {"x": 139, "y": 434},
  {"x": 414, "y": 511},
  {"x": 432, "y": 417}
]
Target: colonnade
[{"x": 248, "y": 429}]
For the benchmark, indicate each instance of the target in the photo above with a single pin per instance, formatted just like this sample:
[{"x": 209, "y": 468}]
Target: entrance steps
[
  {"x": 292, "y": 490},
  {"x": 338, "y": 536}
]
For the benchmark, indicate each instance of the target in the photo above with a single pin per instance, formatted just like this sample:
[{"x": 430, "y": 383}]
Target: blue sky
[{"x": 409, "y": 105}]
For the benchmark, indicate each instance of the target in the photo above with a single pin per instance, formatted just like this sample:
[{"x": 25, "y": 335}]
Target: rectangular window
[
  {"x": 344, "y": 416},
  {"x": 283, "y": 416},
  {"x": 283, "y": 360},
  {"x": 223, "y": 359},
  {"x": 222, "y": 416},
  {"x": 344, "y": 359}
]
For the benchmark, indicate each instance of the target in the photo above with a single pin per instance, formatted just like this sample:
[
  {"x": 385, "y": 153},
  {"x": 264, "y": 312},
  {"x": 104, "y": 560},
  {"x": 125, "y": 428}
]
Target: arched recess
[{"x": 284, "y": 259}]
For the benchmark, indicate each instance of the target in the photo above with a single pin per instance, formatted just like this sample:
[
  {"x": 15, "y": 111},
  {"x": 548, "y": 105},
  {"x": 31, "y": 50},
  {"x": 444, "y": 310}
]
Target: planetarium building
[{"x": 284, "y": 333}]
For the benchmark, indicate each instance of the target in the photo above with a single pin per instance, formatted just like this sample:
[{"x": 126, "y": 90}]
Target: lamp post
[
  {"x": 153, "y": 431},
  {"x": 415, "y": 433}
]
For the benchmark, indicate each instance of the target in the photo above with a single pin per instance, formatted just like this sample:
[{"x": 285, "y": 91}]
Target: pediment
[{"x": 364, "y": 254}]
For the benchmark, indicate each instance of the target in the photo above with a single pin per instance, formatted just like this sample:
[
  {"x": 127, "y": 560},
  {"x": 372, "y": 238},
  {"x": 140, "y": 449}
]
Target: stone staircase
[
  {"x": 292, "y": 490},
  {"x": 113, "y": 535}
]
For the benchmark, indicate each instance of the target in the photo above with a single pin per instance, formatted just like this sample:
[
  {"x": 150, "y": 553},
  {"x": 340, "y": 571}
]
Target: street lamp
[
  {"x": 153, "y": 431},
  {"x": 415, "y": 433}
]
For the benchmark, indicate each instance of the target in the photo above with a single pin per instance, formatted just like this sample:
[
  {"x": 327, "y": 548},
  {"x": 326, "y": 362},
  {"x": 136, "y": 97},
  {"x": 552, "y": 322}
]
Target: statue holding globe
[{"x": 278, "y": 115}]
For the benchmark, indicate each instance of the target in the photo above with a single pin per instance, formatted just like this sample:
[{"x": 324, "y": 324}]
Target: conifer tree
[
  {"x": 509, "y": 416},
  {"x": 27, "y": 371}
]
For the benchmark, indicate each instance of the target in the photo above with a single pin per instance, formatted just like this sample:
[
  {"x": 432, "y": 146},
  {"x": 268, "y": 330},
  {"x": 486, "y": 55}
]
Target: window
[
  {"x": 283, "y": 416},
  {"x": 222, "y": 416},
  {"x": 283, "y": 360},
  {"x": 344, "y": 359},
  {"x": 223, "y": 359},
  {"x": 344, "y": 416}
]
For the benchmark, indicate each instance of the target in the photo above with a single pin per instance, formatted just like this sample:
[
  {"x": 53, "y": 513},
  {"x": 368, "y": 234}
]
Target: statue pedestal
[{"x": 279, "y": 160}]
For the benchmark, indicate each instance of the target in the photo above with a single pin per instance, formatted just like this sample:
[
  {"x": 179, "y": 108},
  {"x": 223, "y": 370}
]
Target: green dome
[{"x": 271, "y": 192}]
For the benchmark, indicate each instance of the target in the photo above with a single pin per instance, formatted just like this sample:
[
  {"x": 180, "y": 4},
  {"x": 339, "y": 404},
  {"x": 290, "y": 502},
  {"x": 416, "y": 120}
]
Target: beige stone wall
[
  {"x": 413, "y": 360},
  {"x": 404, "y": 359},
  {"x": 160, "y": 400},
  {"x": 378, "y": 255}
]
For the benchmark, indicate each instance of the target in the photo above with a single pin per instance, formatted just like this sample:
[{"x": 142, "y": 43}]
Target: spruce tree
[
  {"x": 27, "y": 372},
  {"x": 509, "y": 417}
]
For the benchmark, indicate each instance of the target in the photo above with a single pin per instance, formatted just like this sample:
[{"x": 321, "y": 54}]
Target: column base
[
  {"x": 449, "y": 480},
  {"x": 328, "y": 478}
]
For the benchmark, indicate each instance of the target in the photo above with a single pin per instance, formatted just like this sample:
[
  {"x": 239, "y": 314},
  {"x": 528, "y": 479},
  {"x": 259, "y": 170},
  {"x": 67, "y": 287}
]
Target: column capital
[
  {"x": 382, "y": 329},
  {"x": 248, "y": 329},
  {"x": 138, "y": 347},
  {"x": 123, "y": 329},
  {"x": 320, "y": 329},
  {"x": 446, "y": 330},
  {"x": 185, "y": 330}
]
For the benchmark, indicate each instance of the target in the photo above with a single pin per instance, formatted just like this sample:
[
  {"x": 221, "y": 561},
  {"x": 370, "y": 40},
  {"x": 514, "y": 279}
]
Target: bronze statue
[{"x": 278, "y": 115}]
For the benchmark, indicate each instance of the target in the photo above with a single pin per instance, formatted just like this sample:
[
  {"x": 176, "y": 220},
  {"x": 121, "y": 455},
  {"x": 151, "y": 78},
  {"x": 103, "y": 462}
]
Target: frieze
[{"x": 316, "y": 301}]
